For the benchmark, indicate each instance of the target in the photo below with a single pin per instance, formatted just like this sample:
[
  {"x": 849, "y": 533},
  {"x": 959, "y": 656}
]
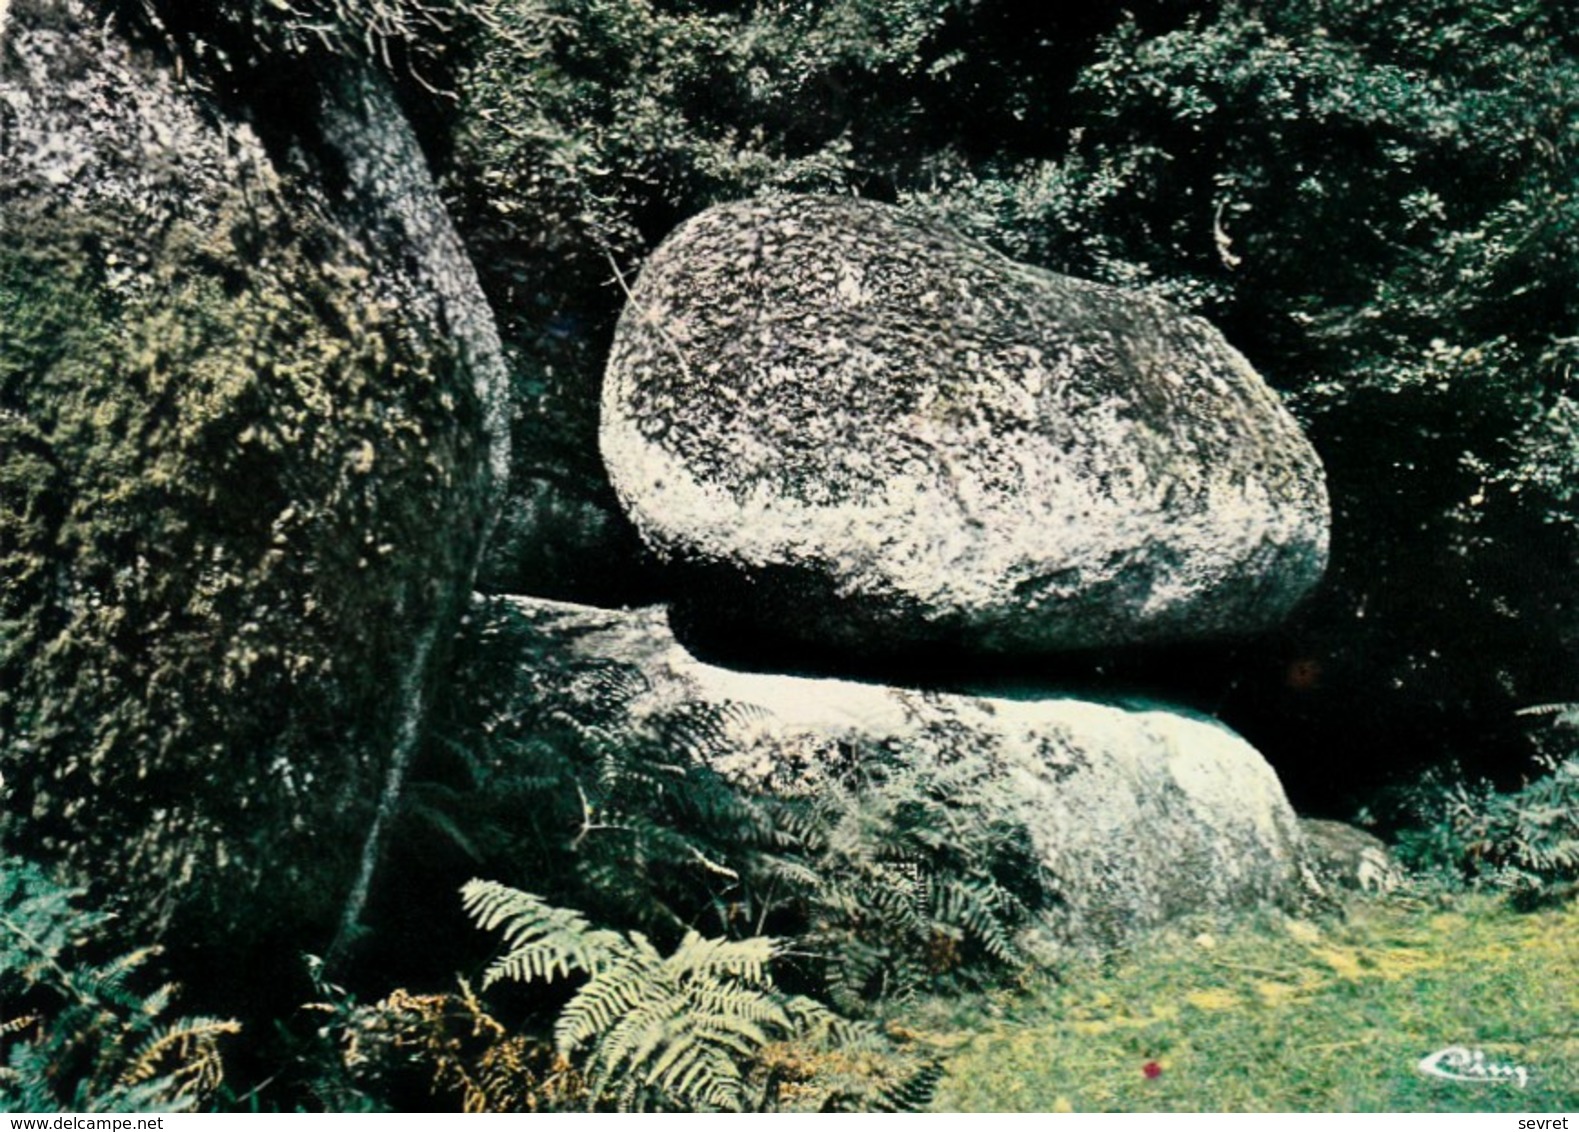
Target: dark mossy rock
[
  {"x": 248, "y": 422},
  {"x": 857, "y": 431}
]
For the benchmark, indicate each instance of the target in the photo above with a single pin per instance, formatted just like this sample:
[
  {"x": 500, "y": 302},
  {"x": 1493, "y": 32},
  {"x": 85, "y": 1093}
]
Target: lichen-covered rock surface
[
  {"x": 1134, "y": 815},
  {"x": 245, "y": 465},
  {"x": 868, "y": 433},
  {"x": 1345, "y": 857}
]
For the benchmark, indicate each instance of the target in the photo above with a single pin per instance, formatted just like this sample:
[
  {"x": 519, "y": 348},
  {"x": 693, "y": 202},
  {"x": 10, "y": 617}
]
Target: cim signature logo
[{"x": 1458, "y": 1063}]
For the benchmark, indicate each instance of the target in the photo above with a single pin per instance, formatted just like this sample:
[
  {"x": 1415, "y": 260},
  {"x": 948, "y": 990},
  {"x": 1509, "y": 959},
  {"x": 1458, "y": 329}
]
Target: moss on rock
[{"x": 237, "y": 484}]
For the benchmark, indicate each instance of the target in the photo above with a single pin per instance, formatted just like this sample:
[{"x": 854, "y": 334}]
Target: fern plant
[
  {"x": 682, "y": 1031},
  {"x": 921, "y": 882},
  {"x": 424, "y": 1051},
  {"x": 77, "y": 1034},
  {"x": 1527, "y": 842},
  {"x": 619, "y": 818}
]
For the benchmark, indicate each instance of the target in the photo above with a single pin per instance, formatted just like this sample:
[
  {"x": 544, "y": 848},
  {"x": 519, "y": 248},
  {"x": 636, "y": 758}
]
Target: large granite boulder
[
  {"x": 250, "y": 426},
  {"x": 851, "y": 428},
  {"x": 1129, "y": 815}
]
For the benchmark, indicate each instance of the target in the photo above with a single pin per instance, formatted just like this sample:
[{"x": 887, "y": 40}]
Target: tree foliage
[{"x": 1374, "y": 200}]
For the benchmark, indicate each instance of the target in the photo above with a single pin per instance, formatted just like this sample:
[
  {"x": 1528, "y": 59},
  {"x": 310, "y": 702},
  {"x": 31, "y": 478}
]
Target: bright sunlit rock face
[{"x": 1133, "y": 814}]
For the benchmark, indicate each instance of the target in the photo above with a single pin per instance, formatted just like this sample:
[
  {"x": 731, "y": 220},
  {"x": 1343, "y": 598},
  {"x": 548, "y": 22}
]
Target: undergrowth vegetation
[
  {"x": 81, "y": 1028},
  {"x": 1523, "y": 842},
  {"x": 441, "y": 1049},
  {"x": 892, "y": 871},
  {"x": 694, "y": 1030}
]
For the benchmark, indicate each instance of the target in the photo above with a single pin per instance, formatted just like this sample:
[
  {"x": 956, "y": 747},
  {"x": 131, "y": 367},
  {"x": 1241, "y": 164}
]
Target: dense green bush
[
  {"x": 1524, "y": 842},
  {"x": 612, "y": 1024},
  {"x": 587, "y": 129},
  {"x": 235, "y": 43},
  {"x": 1375, "y": 201}
]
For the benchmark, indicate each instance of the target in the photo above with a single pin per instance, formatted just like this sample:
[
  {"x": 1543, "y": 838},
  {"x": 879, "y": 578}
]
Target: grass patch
[{"x": 1283, "y": 1015}]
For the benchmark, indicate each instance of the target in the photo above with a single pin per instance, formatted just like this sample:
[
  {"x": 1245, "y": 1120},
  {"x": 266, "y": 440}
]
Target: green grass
[{"x": 1283, "y": 1015}]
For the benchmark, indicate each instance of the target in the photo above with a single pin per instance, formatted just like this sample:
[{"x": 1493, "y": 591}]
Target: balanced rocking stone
[{"x": 858, "y": 431}]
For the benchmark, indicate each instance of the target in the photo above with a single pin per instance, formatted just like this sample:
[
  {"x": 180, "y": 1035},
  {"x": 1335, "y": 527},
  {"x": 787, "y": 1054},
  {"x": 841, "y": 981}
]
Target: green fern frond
[
  {"x": 440, "y": 818},
  {"x": 108, "y": 982},
  {"x": 911, "y": 1093},
  {"x": 819, "y": 1026},
  {"x": 17, "y": 1025},
  {"x": 615, "y": 992},
  {"x": 790, "y": 872},
  {"x": 702, "y": 1070},
  {"x": 680, "y": 1030},
  {"x": 975, "y": 907},
  {"x": 90, "y": 1042},
  {"x": 726, "y": 1005},
  {"x": 854, "y": 965},
  {"x": 1564, "y": 714},
  {"x": 687, "y": 1069},
  {"x": 915, "y": 1092},
  {"x": 190, "y": 1045},
  {"x": 159, "y": 1001},
  {"x": 898, "y": 904},
  {"x": 544, "y": 942},
  {"x": 743, "y": 958}
]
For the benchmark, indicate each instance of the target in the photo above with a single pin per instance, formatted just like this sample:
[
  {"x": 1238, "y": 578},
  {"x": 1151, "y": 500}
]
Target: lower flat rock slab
[{"x": 1135, "y": 816}]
